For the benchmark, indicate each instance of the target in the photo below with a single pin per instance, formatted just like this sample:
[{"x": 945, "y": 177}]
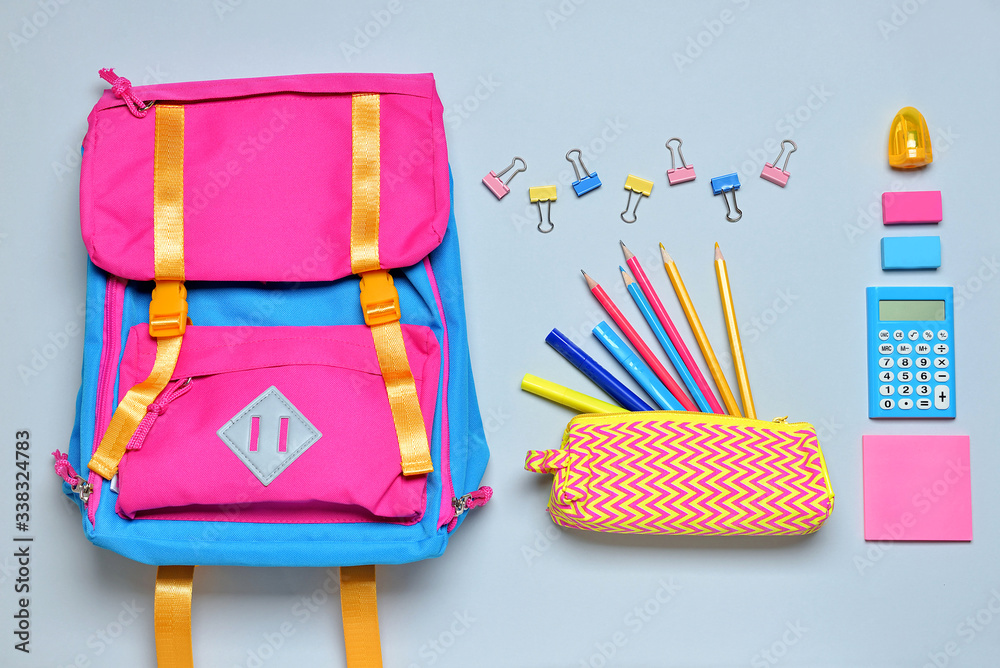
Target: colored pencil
[
  {"x": 640, "y": 345},
  {"x": 595, "y": 372},
  {"x": 636, "y": 367},
  {"x": 565, "y": 396},
  {"x": 726, "y": 296},
  {"x": 675, "y": 337},
  {"x": 699, "y": 334},
  {"x": 661, "y": 336}
]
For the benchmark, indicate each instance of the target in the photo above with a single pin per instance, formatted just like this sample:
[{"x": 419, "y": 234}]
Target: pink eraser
[
  {"x": 922, "y": 206},
  {"x": 917, "y": 488}
]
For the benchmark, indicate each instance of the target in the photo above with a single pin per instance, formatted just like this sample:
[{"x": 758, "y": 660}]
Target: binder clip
[
  {"x": 777, "y": 176},
  {"x": 498, "y": 187},
  {"x": 685, "y": 172},
  {"x": 589, "y": 181},
  {"x": 642, "y": 187},
  {"x": 724, "y": 184},
  {"x": 539, "y": 194}
]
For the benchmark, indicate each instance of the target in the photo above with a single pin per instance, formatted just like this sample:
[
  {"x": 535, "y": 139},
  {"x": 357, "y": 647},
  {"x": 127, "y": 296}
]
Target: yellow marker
[
  {"x": 699, "y": 333},
  {"x": 726, "y": 296},
  {"x": 563, "y": 395}
]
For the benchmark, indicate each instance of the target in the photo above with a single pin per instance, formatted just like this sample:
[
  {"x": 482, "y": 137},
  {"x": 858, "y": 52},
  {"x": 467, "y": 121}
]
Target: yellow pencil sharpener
[{"x": 909, "y": 140}]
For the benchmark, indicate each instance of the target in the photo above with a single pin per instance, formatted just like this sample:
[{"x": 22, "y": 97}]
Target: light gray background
[{"x": 531, "y": 595}]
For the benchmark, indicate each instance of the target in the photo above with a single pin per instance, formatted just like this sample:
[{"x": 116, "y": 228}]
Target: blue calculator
[{"x": 911, "y": 352}]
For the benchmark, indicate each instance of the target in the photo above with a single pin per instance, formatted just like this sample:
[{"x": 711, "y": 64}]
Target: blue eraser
[
  {"x": 911, "y": 253},
  {"x": 725, "y": 183}
]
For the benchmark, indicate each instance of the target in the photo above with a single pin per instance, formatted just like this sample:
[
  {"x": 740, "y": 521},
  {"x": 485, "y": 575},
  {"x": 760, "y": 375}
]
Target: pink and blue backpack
[{"x": 276, "y": 370}]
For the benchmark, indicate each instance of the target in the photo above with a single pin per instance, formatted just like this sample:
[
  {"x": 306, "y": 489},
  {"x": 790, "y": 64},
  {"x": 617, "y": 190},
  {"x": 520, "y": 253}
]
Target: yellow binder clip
[
  {"x": 633, "y": 184},
  {"x": 909, "y": 140},
  {"x": 539, "y": 194}
]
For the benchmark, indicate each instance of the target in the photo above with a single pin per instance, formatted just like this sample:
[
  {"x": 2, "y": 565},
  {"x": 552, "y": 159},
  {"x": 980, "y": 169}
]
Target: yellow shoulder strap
[
  {"x": 359, "y": 608},
  {"x": 168, "y": 307},
  {"x": 172, "y": 616},
  {"x": 379, "y": 299}
]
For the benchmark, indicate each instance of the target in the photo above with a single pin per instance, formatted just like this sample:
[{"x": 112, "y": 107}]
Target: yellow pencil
[
  {"x": 567, "y": 397},
  {"x": 726, "y": 296},
  {"x": 699, "y": 334}
]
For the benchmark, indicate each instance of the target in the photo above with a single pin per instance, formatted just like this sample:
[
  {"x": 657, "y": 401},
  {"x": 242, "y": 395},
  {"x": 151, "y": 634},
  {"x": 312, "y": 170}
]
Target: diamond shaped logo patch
[{"x": 269, "y": 434}]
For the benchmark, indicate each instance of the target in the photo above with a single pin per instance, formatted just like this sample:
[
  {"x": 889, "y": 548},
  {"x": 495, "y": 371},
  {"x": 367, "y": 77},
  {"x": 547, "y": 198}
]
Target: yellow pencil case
[{"x": 666, "y": 472}]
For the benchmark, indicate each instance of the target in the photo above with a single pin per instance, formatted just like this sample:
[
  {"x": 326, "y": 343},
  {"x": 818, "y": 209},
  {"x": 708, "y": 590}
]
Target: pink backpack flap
[{"x": 261, "y": 156}]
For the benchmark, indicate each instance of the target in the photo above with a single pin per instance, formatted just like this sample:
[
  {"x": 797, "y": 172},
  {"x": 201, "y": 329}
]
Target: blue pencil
[
  {"x": 637, "y": 367},
  {"x": 594, "y": 371},
  {"x": 661, "y": 335}
]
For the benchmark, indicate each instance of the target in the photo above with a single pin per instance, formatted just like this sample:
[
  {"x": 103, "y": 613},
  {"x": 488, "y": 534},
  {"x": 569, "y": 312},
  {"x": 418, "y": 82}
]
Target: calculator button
[
  {"x": 906, "y": 404},
  {"x": 904, "y": 348},
  {"x": 941, "y": 349},
  {"x": 885, "y": 362},
  {"x": 928, "y": 335},
  {"x": 904, "y": 362},
  {"x": 940, "y": 362},
  {"x": 941, "y": 376},
  {"x": 888, "y": 390},
  {"x": 883, "y": 335},
  {"x": 898, "y": 335},
  {"x": 923, "y": 362},
  {"x": 923, "y": 376},
  {"x": 905, "y": 390},
  {"x": 923, "y": 348},
  {"x": 885, "y": 349},
  {"x": 913, "y": 335},
  {"x": 905, "y": 376},
  {"x": 923, "y": 390},
  {"x": 886, "y": 376},
  {"x": 923, "y": 404},
  {"x": 887, "y": 404},
  {"x": 942, "y": 335},
  {"x": 942, "y": 398}
]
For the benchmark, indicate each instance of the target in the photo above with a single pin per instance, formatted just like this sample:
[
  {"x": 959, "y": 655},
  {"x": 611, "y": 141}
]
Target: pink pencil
[
  {"x": 640, "y": 345},
  {"x": 654, "y": 300}
]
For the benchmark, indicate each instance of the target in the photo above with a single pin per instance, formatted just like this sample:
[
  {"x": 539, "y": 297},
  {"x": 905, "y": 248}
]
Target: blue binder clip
[
  {"x": 724, "y": 184},
  {"x": 588, "y": 181}
]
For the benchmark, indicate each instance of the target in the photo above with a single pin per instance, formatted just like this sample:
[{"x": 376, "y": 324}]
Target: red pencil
[
  {"x": 654, "y": 300},
  {"x": 640, "y": 345}
]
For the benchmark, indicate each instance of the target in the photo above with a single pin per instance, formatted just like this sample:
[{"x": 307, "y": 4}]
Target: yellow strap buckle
[
  {"x": 168, "y": 310},
  {"x": 379, "y": 299}
]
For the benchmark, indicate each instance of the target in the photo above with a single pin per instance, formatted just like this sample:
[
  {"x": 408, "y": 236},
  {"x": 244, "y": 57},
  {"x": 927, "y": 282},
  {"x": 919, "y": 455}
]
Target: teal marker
[
  {"x": 661, "y": 335},
  {"x": 636, "y": 367}
]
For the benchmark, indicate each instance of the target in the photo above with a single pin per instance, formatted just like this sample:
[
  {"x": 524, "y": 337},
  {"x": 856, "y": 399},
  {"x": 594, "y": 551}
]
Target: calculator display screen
[{"x": 911, "y": 309}]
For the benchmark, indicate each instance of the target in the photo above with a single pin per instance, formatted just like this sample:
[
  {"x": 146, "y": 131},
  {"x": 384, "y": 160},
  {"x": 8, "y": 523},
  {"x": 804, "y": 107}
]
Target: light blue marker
[
  {"x": 636, "y": 367},
  {"x": 661, "y": 335}
]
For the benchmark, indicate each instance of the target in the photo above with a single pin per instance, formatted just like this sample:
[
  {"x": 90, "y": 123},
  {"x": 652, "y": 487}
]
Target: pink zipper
[{"x": 114, "y": 295}]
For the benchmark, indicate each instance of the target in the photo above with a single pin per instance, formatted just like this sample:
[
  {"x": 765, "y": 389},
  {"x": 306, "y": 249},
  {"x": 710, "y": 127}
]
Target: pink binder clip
[
  {"x": 680, "y": 174},
  {"x": 773, "y": 174},
  {"x": 498, "y": 187}
]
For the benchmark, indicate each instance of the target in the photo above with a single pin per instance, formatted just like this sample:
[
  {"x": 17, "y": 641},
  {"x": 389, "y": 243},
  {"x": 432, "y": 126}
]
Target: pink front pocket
[{"x": 274, "y": 424}]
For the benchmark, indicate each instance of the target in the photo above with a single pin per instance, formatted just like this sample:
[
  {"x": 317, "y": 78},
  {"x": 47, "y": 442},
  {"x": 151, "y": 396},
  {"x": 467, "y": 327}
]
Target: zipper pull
[
  {"x": 65, "y": 470},
  {"x": 469, "y": 501},
  {"x": 122, "y": 88},
  {"x": 781, "y": 420},
  {"x": 177, "y": 389}
]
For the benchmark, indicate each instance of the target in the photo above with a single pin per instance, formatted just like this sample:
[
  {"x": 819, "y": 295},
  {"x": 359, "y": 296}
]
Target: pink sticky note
[
  {"x": 923, "y": 206},
  {"x": 917, "y": 488}
]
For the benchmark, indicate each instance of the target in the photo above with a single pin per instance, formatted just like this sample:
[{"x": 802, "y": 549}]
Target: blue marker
[
  {"x": 637, "y": 367},
  {"x": 661, "y": 335},
  {"x": 595, "y": 372}
]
